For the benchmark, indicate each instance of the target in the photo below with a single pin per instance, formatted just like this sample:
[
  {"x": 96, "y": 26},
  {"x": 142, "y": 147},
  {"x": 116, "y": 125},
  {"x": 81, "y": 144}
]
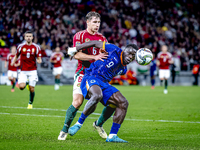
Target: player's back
[
  {"x": 164, "y": 60},
  {"x": 110, "y": 67},
  {"x": 28, "y": 55},
  {"x": 82, "y": 37}
]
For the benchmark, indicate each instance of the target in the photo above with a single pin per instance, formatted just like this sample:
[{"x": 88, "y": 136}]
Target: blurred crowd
[{"x": 147, "y": 23}]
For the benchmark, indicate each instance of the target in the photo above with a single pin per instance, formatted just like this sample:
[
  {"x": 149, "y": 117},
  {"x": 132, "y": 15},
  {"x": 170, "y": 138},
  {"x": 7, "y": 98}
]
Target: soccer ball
[{"x": 143, "y": 56}]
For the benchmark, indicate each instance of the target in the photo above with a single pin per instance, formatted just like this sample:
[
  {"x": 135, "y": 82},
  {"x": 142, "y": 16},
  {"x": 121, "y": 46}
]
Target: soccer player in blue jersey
[
  {"x": 95, "y": 86},
  {"x": 153, "y": 72}
]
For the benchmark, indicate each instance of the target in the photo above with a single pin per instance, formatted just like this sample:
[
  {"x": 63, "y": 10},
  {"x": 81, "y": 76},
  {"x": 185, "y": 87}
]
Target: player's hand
[
  {"x": 102, "y": 51},
  {"x": 71, "y": 51},
  {"x": 101, "y": 56},
  {"x": 54, "y": 61},
  {"x": 11, "y": 63},
  {"x": 15, "y": 65}
]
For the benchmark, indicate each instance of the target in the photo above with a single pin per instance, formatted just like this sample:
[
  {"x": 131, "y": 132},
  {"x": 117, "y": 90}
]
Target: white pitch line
[{"x": 144, "y": 120}]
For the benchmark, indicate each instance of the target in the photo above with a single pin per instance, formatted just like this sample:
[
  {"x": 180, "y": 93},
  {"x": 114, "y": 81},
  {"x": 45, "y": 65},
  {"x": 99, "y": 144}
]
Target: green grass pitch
[{"x": 153, "y": 121}]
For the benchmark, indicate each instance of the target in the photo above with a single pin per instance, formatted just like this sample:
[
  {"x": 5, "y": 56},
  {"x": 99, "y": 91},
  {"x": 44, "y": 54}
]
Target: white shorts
[
  {"x": 30, "y": 75},
  {"x": 77, "y": 84},
  {"x": 164, "y": 73},
  {"x": 57, "y": 70},
  {"x": 12, "y": 74}
]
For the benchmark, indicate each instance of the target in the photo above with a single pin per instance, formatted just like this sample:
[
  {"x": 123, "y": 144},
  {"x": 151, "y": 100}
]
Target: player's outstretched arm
[{"x": 76, "y": 51}]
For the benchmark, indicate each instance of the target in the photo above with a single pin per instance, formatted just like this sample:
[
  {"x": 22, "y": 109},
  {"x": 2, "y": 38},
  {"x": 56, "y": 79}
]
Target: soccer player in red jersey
[
  {"x": 85, "y": 58},
  {"x": 12, "y": 70},
  {"x": 56, "y": 59},
  {"x": 164, "y": 60},
  {"x": 28, "y": 52}
]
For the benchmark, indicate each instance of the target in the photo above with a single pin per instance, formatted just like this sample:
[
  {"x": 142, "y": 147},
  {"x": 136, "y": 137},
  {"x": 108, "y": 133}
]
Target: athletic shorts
[
  {"x": 164, "y": 73},
  {"x": 57, "y": 70},
  {"x": 107, "y": 89},
  {"x": 30, "y": 75},
  {"x": 12, "y": 74},
  {"x": 77, "y": 83}
]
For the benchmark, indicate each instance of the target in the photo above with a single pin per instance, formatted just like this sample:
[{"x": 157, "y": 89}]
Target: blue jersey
[{"x": 110, "y": 67}]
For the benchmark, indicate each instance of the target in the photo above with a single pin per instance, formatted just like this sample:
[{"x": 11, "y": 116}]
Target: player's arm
[
  {"x": 52, "y": 61},
  {"x": 76, "y": 51},
  {"x": 39, "y": 60},
  {"x": 14, "y": 59},
  {"x": 5, "y": 64},
  {"x": 17, "y": 64}
]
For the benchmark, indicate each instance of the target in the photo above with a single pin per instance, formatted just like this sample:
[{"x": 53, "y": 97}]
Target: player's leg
[
  {"x": 166, "y": 77},
  {"x": 22, "y": 78},
  {"x": 161, "y": 76},
  {"x": 152, "y": 81},
  {"x": 33, "y": 78},
  {"x": 72, "y": 110},
  {"x": 95, "y": 94},
  {"x": 121, "y": 108}
]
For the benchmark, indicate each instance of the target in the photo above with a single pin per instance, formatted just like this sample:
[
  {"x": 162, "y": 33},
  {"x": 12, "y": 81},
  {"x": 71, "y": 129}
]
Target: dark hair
[
  {"x": 133, "y": 46},
  {"x": 30, "y": 32},
  {"x": 92, "y": 14}
]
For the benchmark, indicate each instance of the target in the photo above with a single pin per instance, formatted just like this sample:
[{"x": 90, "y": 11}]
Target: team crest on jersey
[
  {"x": 78, "y": 43},
  {"x": 10, "y": 57},
  {"x": 78, "y": 85},
  {"x": 161, "y": 56},
  {"x": 24, "y": 49},
  {"x": 87, "y": 40},
  {"x": 33, "y": 50},
  {"x": 92, "y": 81}
]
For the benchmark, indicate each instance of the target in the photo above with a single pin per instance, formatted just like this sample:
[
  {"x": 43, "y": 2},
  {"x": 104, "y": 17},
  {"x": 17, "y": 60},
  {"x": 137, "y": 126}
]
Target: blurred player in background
[
  {"x": 85, "y": 58},
  {"x": 96, "y": 88},
  {"x": 12, "y": 70},
  {"x": 29, "y": 53},
  {"x": 153, "y": 71},
  {"x": 56, "y": 59},
  {"x": 164, "y": 60}
]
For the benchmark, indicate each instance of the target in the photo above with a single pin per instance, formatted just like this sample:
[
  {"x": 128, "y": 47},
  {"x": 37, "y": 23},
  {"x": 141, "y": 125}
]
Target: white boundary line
[{"x": 144, "y": 120}]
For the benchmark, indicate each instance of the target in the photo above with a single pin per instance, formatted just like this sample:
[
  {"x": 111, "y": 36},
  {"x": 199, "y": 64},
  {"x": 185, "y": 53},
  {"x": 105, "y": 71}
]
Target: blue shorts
[{"x": 107, "y": 89}]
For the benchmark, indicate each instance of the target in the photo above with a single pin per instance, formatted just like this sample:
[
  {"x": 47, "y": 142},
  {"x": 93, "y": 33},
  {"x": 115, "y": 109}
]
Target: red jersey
[
  {"x": 164, "y": 60},
  {"x": 28, "y": 54},
  {"x": 9, "y": 58},
  {"x": 58, "y": 56},
  {"x": 82, "y": 37}
]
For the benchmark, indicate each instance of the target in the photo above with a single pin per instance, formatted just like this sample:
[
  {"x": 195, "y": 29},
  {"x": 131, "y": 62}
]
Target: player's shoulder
[
  {"x": 36, "y": 45},
  {"x": 169, "y": 54},
  {"x": 21, "y": 45},
  {"x": 159, "y": 54}
]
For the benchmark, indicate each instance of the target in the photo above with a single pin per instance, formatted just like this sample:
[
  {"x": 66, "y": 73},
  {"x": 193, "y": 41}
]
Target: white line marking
[{"x": 144, "y": 120}]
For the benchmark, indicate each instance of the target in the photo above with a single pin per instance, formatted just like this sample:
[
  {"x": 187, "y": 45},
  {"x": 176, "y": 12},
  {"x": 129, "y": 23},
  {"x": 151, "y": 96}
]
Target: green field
[{"x": 153, "y": 120}]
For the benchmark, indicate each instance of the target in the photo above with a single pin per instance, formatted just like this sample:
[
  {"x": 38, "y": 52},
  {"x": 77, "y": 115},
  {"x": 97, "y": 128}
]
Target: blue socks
[
  {"x": 115, "y": 128},
  {"x": 82, "y": 118}
]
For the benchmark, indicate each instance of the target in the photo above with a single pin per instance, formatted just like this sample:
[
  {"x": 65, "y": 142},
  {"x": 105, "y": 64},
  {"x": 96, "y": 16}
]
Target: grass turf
[{"x": 153, "y": 121}]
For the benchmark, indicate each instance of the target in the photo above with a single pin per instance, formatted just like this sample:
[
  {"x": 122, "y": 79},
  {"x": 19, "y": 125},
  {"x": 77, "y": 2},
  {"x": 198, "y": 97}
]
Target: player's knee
[
  {"x": 32, "y": 89},
  {"x": 97, "y": 97},
  {"x": 77, "y": 102},
  {"x": 124, "y": 104}
]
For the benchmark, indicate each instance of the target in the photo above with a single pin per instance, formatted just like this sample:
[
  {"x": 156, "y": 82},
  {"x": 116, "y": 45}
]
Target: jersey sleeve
[
  {"x": 19, "y": 50},
  {"x": 7, "y": 58},
  {"x": 76, "y": 40},
  {"x": 38, "y": 52},
  {"x": 52, "y": 55}
]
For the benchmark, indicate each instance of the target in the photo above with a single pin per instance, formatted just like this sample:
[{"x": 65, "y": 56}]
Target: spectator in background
[{"x": 175, "y": 66}]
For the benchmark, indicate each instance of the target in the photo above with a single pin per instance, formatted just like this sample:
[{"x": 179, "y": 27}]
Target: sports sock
[
  {"x": 13, "y": 86},
  {"x": 161, "y": 81},
  {"x": 106, "y": 113},
  {"x": 115, "y": 128},
  {"x": 58, "y": 81},
  {"x": 166, "y": 84},
  {"x": 152, "y": 82},
  {"x": 55, "y": 81},
  {"x": 70, "y": 114},
  {"x": 82, "y": 118},
  {"x": 32, "y": 95}
]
